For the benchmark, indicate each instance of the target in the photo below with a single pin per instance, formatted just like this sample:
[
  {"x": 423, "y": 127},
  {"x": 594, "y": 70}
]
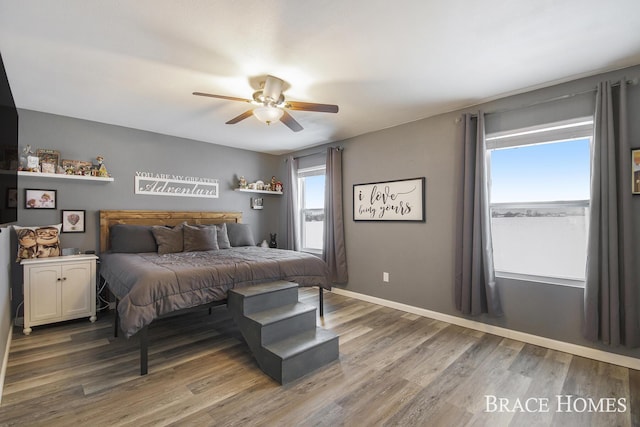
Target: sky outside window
[
  {"x": 314, "y": 192},
  {"x": 542, "y": 172}
]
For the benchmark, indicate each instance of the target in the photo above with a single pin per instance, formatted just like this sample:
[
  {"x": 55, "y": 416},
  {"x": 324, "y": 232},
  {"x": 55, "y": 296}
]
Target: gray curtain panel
[
  {"x": 475, "y": 291},
  {"x": 610, "y": 297},
  {"x": 291, "y": 195},
  {"x": 334, "y": 252}
]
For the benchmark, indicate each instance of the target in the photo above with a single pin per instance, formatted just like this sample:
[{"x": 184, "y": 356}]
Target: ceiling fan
[{"x": 271, "y": 105}]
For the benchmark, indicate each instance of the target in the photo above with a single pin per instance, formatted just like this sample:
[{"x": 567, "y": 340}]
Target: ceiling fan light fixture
[
  {"x": 268, "y": 114},
  {"x": 270, "y": 105}
]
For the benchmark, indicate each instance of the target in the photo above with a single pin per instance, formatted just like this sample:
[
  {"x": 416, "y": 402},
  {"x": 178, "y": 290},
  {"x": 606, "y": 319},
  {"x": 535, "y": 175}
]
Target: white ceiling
[{"x": 384, "y": 62}]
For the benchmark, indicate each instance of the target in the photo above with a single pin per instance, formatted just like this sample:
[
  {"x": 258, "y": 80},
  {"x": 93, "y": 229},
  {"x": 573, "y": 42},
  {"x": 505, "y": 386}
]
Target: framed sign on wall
[{"x": 401, "y": 200}]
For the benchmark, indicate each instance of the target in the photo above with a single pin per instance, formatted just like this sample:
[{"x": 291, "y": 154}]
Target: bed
[{"x": 150, "y": 283}]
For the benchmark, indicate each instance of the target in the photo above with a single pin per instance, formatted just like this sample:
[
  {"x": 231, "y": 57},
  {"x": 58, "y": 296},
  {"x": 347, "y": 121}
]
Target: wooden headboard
[{"x": 143, "y": 217}]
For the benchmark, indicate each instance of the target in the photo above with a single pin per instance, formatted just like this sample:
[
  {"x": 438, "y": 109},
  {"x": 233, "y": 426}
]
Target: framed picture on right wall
[{"x": 635, "y": 171}]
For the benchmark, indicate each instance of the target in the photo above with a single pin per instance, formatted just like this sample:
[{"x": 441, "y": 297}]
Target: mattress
[{"x": 149, "y": 285}]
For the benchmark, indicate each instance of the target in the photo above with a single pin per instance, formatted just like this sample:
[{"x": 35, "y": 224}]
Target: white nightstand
[{"x": 59, "y": 288}]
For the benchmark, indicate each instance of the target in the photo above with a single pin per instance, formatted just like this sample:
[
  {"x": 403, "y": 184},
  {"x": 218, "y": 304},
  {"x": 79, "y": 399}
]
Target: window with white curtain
[
  {"x": 311, "y": 208},
  {"x": 539, "y": 197}
]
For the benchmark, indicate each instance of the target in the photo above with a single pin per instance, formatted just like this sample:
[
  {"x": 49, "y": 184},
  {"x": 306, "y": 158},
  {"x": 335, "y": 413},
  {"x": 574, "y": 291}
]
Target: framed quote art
[{"x": 401, "y": 200}]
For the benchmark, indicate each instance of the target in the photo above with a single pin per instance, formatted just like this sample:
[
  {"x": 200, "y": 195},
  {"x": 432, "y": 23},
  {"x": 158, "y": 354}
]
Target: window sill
[
  {"x": 312, "y": 251},
  {"x": 556, "y": 281}
]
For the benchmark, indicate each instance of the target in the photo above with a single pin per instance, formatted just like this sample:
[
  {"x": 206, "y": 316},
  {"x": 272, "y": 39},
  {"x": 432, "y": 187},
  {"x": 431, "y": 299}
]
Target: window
[
  {"x": 539, "y": 199},
  {"x": 311, "y": 208}
]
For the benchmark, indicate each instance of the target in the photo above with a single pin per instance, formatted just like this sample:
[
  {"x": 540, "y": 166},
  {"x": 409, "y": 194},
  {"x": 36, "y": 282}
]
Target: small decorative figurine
[
  {"x": 242, "y": 182},
  {"x": 26, "y": 151},
  {"x": 278, "y": 187},
  {"x": 102, "y": 169},
  {"x": 33, "y": 161},
  {"x": 272, "y": 187}
]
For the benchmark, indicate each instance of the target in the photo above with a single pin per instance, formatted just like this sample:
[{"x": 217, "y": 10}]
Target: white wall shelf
[
  {"x": 64, "y": 176},
  {"x": 258, "y": 191}
]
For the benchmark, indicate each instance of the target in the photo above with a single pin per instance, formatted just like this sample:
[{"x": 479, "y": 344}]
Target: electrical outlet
[{"x": 385, "y": 277}]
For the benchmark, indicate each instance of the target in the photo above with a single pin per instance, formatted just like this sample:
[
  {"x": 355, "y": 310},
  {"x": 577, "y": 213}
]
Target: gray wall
[
  {"x": 126, "y": 151},
  {"x": 420, "y": 256}
]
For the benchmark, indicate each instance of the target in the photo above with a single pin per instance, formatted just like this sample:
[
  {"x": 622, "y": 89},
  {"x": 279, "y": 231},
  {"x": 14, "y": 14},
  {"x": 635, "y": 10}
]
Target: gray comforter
[{"x": 149, "y": 285}]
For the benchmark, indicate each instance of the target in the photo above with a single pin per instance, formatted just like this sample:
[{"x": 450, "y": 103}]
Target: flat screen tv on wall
[{"x": 8, "y": 151}]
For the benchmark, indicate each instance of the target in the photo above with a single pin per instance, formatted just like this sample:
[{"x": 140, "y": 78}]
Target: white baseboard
[
  {"x": 578, "y": 350},
  {"x": 5, "y": 361}
]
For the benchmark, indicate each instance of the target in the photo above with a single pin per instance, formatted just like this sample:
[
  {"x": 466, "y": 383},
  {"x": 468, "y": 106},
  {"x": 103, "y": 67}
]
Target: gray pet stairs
[{"x": 280, "y": 331}]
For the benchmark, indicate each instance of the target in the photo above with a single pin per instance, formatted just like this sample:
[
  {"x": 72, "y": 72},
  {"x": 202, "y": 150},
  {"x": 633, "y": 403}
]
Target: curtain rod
[
  {"x": 632, "y": 82},
  {"x": 339, "y": 148}
]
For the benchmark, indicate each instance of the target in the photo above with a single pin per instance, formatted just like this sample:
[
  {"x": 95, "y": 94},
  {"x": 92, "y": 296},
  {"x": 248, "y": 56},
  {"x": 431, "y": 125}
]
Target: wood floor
[{"x": 395, "y": 369}]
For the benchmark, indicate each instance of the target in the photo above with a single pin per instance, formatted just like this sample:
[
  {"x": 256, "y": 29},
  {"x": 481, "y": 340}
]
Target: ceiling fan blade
[
  {"x": 230, "y": 98},
  {"x": 241, "y": 117},
  {"x": 290, "y": 122},
  {"x": 309, "y": 106}
]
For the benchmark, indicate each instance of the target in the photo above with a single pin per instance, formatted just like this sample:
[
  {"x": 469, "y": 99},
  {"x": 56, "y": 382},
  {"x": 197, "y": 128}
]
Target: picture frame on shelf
[
  {"x": 46, "y": 167},
  {"x": 33, "y": 163},
  {"x": 76, "y": 167},
  {"x": 40, "y": 199},
  {"x": 73, "y": 221},
  {"x": 48, "y": 156},
  {"x": 635, "y": 171}
]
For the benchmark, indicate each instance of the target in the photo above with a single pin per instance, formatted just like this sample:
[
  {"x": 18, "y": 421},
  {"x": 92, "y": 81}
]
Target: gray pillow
[
  {"x": 200, "y": 238},
  {"x": 169, "y": 240},
  {"x": 240, "y": 234},
  {"x": 221, "y": 233},
  {"x": 223, "y": 237},
  {"x": 128, "y": 238}
]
